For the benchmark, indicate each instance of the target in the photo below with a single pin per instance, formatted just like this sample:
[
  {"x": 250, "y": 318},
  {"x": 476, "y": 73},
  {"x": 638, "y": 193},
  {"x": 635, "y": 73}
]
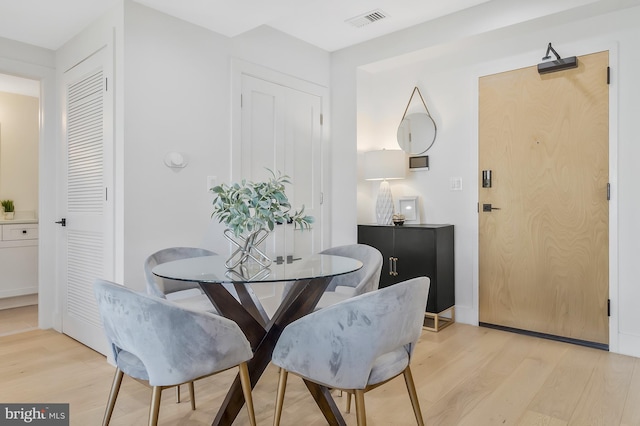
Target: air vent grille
[{"x": 367, "y": 18}]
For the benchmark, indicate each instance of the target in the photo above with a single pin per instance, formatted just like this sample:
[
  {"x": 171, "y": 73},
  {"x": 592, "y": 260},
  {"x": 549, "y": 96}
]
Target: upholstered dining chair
[
  {"x": 185, "y": 294},
  {"x": 357, "y": 344},
  {"x": 164, "y": 344},
  {"x": 361, "y": 281}
]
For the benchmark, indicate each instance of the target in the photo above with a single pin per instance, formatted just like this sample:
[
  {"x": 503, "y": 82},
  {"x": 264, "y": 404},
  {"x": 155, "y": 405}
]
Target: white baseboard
[
  {"x": 18, "y": 301},
  {"x": 466, "y": 315},
  {"x": 629, "y": 344}
]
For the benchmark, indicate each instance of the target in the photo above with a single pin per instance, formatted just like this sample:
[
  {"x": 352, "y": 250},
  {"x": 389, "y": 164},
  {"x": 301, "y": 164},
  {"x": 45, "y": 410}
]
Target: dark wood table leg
[
  {"x": 322, "y": 396},
  {"x": 229, "y": 307},
  {"x": 301, "y": 300}
]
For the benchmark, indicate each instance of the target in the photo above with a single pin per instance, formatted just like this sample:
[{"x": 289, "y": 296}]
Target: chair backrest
[
  {"x": 175, "y": 345},
  {"x": 338, "y": 345},
  {"x": 366, "y": 278},
  {"x": 160, "y": 287}
]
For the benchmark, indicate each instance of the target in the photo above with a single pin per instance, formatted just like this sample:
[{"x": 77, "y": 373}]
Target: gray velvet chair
[
  {"x": 357, "y": 344},
  {"x": 159, "y": 342},
  {"x": 363, "y": 280},
  {"x": 188, "y": 295}
]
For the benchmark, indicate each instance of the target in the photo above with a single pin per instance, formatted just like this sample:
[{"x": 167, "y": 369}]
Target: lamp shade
[{"x": 384, "y": 164}]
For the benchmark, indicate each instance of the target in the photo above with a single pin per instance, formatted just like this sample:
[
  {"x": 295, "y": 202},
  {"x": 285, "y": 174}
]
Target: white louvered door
[{"x": 87, "y": 239}]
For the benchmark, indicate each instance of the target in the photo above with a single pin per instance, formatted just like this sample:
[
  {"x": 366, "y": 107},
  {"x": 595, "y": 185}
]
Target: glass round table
[{"x": 233, "y": 298}]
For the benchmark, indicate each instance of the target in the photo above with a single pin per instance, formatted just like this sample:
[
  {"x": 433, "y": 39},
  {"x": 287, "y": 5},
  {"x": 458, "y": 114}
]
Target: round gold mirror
[
  {"x": 416, "y": 133},
  {"x": 417, "y": 130}
]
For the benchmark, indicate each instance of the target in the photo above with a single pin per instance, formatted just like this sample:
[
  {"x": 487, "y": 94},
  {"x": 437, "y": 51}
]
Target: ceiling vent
[{"x": 367, "y": 18}]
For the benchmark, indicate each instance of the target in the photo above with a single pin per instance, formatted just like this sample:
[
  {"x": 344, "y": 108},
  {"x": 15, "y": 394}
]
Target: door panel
[
  {"x": 86, "y": 244},
  {"x": 262, "y": 138},
  {"x": 381, "y": 238},
  {"x": 543, "y": 255},
  {"x": 281, "y": 131},
  {"x": 412, "y": 248}
]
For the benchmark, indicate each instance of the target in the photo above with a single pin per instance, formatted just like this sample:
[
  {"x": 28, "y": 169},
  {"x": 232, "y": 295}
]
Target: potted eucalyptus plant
[
  {"x": 250, "y": 210},
  {"x": 8, "y": 207}
]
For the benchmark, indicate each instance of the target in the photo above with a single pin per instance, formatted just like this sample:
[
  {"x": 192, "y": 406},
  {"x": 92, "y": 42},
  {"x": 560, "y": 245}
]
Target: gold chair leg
[
  {"x": 154, "y": 410},
  {"x": 245, "y": 381},
  {"x": 282, "y": 385},
  {"x": 411, "y": 388},
  {"x": 113, "y": 395},
  {"x": 192, "y": 395},
  {"x": 361, "y": 414},
  {"x": 178, "y": 394},
  {"x": 348, "y": 402}
]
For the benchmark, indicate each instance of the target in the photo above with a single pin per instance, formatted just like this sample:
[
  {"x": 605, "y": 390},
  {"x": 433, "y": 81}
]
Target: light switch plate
[{"x": 455, "y": 184}]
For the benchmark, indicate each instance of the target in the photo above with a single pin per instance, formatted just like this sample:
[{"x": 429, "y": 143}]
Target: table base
[{"x": 263, "y": 334}]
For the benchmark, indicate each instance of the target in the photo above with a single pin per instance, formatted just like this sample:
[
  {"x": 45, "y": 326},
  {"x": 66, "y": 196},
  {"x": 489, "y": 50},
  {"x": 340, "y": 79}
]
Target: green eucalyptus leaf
[{"x": 249, "y": 206}]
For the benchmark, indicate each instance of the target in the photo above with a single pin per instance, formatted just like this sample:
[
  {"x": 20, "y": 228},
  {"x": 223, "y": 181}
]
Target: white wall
[
  {"x": 449, "y": 98},
  {"x": 178, "y": 87},
  {"x": 446, "y": 72},
  {"x": 19, "y": 138},
  {"x": 176, "y": 99}
]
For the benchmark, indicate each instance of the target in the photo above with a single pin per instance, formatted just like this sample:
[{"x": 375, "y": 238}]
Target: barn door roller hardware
[{"x": 558, "y": 64}]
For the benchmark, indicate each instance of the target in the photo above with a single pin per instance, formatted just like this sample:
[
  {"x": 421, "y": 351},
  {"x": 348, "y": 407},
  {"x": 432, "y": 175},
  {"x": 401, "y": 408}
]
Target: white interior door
[
  {"x": 281, "y": 130},
  {"x": 86, "y": 240}
]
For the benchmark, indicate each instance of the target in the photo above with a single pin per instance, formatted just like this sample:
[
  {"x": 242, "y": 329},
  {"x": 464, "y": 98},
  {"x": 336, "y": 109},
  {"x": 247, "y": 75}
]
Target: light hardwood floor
[
  {"x": 15, "y": 320},
  {"x": 465, "y": 375}
]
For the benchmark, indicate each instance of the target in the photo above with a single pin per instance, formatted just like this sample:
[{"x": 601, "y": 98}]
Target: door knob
[
  {"x": 62, "y": 221},
  {"x": 488, "y": 208}
]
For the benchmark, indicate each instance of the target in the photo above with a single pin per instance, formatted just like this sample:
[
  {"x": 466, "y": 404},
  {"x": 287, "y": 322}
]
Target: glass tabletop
[{"x": 211, "y": 269}]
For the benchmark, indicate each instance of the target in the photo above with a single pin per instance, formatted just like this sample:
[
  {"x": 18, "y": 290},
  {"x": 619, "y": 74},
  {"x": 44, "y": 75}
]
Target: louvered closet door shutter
[
  {"x": 84, "y": 193},
  {"x": 88, "y": 224},
  {"x": 85, "y": 143}
]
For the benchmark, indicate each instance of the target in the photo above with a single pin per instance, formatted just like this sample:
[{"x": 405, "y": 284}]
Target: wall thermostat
[{"x": 419, "y": 163}]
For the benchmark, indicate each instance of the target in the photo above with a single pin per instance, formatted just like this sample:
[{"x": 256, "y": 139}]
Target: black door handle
[
  {"x": 488, "y": 208},
  {"x": 290, "y": 259},
  {"x": 62, "y": 221}
]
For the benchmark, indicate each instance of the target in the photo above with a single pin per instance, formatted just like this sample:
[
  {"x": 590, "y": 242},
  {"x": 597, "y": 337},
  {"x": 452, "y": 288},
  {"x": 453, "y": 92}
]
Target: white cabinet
[{"x": 18, "y": 259}]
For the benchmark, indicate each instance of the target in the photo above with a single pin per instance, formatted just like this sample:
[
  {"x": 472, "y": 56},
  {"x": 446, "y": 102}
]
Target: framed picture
[{"x": 408, "y": 206}]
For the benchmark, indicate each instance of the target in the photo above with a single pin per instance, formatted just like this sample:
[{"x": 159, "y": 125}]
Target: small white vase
[{"x": 9, "y": 215}]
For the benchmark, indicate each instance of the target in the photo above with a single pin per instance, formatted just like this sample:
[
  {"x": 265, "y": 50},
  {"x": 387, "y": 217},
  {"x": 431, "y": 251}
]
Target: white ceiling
[{"x": 50, "y": 24}]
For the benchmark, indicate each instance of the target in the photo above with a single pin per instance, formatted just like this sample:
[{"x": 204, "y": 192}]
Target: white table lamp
[{"x": 384, "y": 165}]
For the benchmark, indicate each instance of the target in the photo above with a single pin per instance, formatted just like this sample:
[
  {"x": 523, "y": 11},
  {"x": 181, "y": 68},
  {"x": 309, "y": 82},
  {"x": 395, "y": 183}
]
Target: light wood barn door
[{"x": 543, "y": 256}]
